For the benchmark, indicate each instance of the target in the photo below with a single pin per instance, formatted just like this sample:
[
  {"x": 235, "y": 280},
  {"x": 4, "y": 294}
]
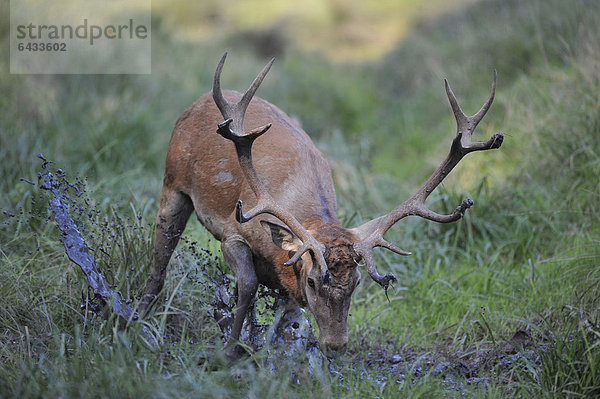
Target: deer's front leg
[
  {"x": 238, "y": 256},
  {"x": 174, "y": 211}
]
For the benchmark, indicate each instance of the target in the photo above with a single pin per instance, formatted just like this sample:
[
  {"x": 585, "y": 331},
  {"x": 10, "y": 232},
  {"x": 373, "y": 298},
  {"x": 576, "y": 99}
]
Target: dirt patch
[{"x": 387, "y": 361}]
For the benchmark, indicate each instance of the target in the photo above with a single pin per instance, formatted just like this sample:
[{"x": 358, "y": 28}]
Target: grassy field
[{"x": 504, "y": 303}]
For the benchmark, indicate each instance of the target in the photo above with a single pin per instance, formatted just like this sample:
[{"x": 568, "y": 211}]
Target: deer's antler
[
  {"x": 372, "y": 232},
  {"x": 233, "y": 129}
]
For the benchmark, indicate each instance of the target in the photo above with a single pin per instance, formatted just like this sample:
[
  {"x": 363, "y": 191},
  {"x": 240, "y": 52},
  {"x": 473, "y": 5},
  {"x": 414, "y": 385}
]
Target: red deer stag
[{"x": 297, "y": 245}]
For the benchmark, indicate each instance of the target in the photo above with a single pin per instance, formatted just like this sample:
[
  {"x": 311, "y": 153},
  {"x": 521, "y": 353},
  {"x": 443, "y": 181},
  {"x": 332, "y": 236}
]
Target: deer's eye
[{"x": 311, "y": 283}]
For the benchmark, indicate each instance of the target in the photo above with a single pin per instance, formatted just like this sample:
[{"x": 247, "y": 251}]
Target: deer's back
[{"x": 204, "y": 165}]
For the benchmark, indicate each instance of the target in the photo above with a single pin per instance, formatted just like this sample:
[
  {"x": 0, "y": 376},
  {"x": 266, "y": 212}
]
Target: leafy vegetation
[{"x": 504, "y": 303}]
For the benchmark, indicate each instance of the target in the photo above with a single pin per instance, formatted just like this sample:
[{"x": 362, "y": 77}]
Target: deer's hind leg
[{"x": 173, "y": 213}]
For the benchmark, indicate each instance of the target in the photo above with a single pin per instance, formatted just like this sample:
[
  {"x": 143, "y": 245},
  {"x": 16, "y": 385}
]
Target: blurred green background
[{"x": 365, "y": 80}]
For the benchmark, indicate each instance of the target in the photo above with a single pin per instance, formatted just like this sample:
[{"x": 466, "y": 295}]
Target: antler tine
[
  {"x": 486, "y": 106},
  {"x": 243, "y": 145},
  {"x": 223, "y": 105},
  {"x": 364, "y": 249},
  {"x": 459, "y": 115},
  {"x": 255, "y": 84},
  {"x": 372, "y": 232}
]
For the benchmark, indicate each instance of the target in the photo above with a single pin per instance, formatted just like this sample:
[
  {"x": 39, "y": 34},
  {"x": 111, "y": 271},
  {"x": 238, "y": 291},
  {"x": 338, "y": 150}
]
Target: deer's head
[{"x": 326, "y": 292}]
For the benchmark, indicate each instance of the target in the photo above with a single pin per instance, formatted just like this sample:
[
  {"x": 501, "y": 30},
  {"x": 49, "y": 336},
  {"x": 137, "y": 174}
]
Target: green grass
[{"x": 510, "y": 292}]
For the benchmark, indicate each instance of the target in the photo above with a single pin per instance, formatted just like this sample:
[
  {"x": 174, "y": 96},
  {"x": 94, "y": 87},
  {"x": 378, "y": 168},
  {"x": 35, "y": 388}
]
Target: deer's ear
[{"x": 282, "y": 236}]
